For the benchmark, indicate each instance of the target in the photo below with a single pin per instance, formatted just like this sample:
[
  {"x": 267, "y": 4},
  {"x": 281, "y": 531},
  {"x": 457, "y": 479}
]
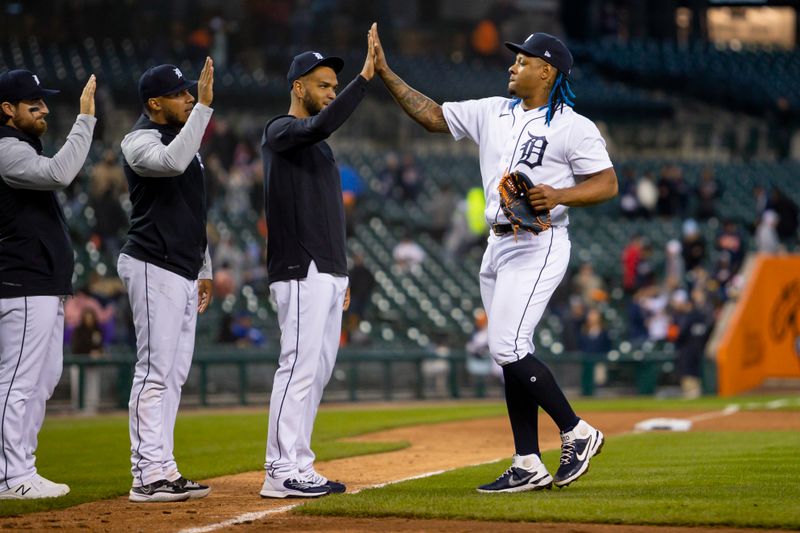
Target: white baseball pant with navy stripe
[
  {"x": 518, "y": 277},
  {"x": 31, "y": 359},
  {"x": 164, "y": 307},
  {"x": 310, "y": 318}
]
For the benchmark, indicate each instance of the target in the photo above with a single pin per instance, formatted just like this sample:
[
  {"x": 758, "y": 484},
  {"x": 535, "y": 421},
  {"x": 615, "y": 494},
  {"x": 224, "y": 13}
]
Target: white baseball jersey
[
  {"x": 511, "y": 138},
  {"x": 519, "y": 273}
]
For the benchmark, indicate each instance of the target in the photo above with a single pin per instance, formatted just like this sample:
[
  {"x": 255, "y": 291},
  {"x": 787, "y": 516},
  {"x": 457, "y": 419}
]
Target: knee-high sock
[
  {"x": 523, "y": 413},
  {"x": 540, "y": 383}
]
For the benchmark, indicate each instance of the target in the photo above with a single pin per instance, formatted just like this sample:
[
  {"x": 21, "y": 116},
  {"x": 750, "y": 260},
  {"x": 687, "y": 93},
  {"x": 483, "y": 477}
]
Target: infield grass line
[{"x": 258, "y": 515}]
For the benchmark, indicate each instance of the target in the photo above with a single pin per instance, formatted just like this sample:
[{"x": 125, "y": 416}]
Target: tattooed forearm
[{"x": 416, "y": 105}]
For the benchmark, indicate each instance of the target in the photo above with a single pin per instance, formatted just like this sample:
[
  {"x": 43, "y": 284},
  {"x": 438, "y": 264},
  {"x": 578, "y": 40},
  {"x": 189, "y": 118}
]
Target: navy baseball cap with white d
[
  {"x": 547, "y": 47},
  {"x": 304, "y": 63},
  {"x": 16, "y": 85},
  {"x": 162, "y": 80}
]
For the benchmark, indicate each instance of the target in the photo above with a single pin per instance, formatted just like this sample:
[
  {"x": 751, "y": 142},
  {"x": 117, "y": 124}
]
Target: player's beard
[
  {"x": 32, "y": 128},
  {"x": 312, "y": 107},
  {"x": 173, "y": 119}
]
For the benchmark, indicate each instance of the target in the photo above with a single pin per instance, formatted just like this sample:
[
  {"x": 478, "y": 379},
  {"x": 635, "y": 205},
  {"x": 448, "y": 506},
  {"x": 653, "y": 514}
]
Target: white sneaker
[
  {"x": 35, "y": 488},
  {"x": 294, "y": 487}
]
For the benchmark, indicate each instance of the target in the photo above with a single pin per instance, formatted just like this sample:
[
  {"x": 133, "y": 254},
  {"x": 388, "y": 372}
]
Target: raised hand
[
  {"x": 381, "y": 66},
  {"x": 369, "y": 64},
  {"x": 205, "y": 85},
  {"x": 87, "y": 96}
]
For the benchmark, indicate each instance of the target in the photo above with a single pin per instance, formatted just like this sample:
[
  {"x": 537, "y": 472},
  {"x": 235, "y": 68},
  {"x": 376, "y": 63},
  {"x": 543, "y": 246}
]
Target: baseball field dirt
[{"x": 432, "y": 448}]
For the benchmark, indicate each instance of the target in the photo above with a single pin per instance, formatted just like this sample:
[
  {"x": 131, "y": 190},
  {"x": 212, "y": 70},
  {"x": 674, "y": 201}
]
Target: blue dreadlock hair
[{"x": 560, "y": 94}]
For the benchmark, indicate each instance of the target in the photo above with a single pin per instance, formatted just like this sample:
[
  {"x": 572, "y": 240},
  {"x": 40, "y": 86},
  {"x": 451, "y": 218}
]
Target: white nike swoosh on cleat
[{"x": 582, "y": 456}]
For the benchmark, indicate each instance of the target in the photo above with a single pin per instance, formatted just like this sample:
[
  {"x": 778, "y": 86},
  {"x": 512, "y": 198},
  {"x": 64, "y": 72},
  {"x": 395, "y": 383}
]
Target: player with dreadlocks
[{"x": 538, "y": 133}]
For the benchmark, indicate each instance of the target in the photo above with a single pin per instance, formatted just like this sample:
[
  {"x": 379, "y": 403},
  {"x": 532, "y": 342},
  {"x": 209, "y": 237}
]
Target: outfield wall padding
[{"x": 762, "y": 340}]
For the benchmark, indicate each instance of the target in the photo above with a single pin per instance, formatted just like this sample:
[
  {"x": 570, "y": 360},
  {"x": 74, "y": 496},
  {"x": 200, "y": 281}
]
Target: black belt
[
  {"x": 502, "y": 229},
  {"x": 505, "y": 229}
]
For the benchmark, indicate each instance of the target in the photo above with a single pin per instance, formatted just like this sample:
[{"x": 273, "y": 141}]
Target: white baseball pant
[
  {"x": 164, "y": 307},
  {"x": 517, "y": 278},
  {"x": 31, "y": 359},
  {"x": 310, "y": 319}
]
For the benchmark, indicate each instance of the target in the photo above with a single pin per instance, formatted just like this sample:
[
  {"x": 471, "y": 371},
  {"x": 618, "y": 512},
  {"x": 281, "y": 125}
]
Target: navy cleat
[
  {"x": 292, "y": 487},
  {"x": 526, "y": 473},
  {"x": 195, "y": 489},
  {"x": 334, "y": 487},
  {"x": 577, "y": 448},
  {"x": 158, "y": 491}
]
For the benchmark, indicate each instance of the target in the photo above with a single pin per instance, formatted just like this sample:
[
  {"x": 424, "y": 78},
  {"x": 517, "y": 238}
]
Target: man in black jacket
[
  {"x": 166, "y": 269},
  {"x": 36, "y": 265},
  {"x": 306, "y": 262}
]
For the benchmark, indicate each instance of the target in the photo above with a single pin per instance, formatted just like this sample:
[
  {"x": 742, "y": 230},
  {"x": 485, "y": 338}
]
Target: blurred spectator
[
  {"x": 106, "y": 187},
  {"x": 730, "y": 241},
  {"x": 636, "y": 315},
  {"x": 87, "y": 340},
  {"x": 767, "y": 241},
  {"x": 631, "y": 256},
  {"x": 439, "y": 210},
  {"x": 694, "y": 245},
  {"x": 589, "y": 285},
  {"x": 362, "y": 282},
  {"x": 389, "y": 177},
  {"x": 224, "y": 281},
  {"x": 410, "y": 178},
  {"x": 594, "y": 337},
  {"x": 647, "y": 194},
  {"x": 668, "y": 197},
  {"x": 352, "y": 187},
  {"x": 467, "y": 225},
  {"x": 221, "y": 143},
  {"x": 479, "y": 360},
  {"x": 655, "y": 304},
  {"x": 230, "y": 257},
  {"x": 645, "y": 268},
  {"x": 787, "y": 215},
  {"x": 75, "y": 306},
  {"x": 674, "y": 266},
  {"x": 761, "y": 199},
  {"x": 407, "y": 255},
  {"x": 573, "y": 323},
  {"x": 628, "y": 201},
  {"x": 695, "y": 321},
  {"x": 225, "y": 334},
  {"x": 708, "y": 192},
  {"x": 245, "y": 333}
]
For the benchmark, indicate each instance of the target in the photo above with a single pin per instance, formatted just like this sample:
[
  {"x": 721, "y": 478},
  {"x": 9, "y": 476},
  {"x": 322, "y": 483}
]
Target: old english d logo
[{"x": 532, "y": 151}]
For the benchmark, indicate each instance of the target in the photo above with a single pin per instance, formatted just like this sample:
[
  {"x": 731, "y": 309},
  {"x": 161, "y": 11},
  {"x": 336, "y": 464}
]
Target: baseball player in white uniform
[
  {"x": 166, "y": 269},
  {"x": 36, "y": 264},
  {"x": 536, "y": 132}
]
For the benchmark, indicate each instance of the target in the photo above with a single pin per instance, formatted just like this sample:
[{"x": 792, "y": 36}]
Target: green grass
[
  {"x": 92, "y": 454},
  {"x": 720, "y": 479}
]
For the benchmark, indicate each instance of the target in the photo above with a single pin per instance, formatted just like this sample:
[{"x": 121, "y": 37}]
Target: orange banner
[{"x": 762, "y": 339}]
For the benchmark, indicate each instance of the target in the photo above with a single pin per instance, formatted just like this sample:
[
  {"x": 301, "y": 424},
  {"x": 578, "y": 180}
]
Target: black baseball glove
[{"x": 514, "y": 201}]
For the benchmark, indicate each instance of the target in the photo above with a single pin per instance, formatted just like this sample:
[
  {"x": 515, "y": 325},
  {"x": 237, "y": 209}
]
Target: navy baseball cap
[
  {"x": 304, "y": 63},
  {"x": 161, "y": 80},
  {"x": 546, "y": 47},
  {"x": 16, "y": 85}
]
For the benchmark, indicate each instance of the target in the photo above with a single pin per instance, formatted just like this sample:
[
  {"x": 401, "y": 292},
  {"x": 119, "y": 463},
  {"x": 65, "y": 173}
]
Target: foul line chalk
[{"x": 258, "y": 515}]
